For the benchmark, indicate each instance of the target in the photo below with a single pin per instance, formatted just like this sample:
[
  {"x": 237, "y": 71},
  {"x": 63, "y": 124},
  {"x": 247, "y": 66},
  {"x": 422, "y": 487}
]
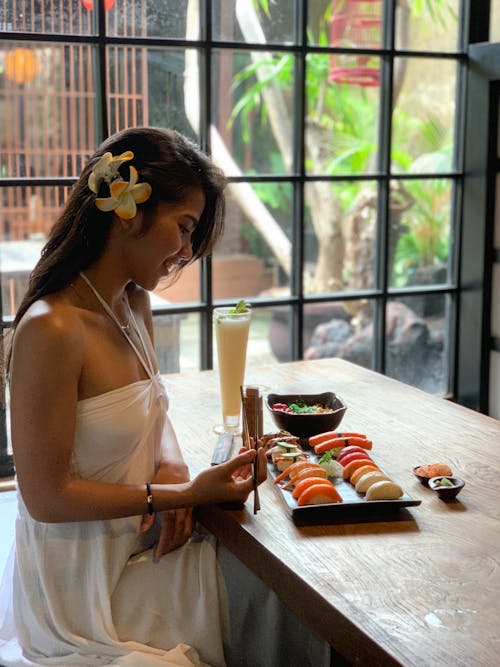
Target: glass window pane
[
  {"x": 185, "y": 289},
  {"x": 342, "y": 329},
  {"x": 420, "y": 232},
  {"x": 495, "y": 22},
  {"x": 147, "y": 87},
  {"x": 29, "y": 212},
  {"x": 340, "y": 235},
  {"x": 167, "y": 340},
  {"x": 45, "y": 93},
  {"x": 341, "y": 23},
  {"x": 427, "y": 26},
  {"x": 254, "y": 256},
  {"x": 262, "y": 337},
  {"x": 279, "y": 332},
  {"x": 417, "y": 341},
  {"x": 17, "y": 259},
  {"x": 43, "y": 16},
  {"x": 260, "y": 350},
  {"x": 140, "y": 18},
  {"x": 177, "y": 340},
  {"x": 254, "y": 22},
  {"x": 255, "y": 121},
  {"x": 424, "y": 115},
  {"x": 341, "y": 122}
]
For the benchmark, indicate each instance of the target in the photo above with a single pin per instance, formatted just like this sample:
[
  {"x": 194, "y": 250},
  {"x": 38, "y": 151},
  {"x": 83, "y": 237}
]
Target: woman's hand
[
  {"x": 176, "y": 529},
  {"x": 177, "y": 524},
  {"x": 230, "y": 482}
]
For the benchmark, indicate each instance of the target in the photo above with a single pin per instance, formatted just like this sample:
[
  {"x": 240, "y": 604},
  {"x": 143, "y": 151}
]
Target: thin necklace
[
  {"x": 126, "y": 327},
  {"x": 132, "y": 323}
]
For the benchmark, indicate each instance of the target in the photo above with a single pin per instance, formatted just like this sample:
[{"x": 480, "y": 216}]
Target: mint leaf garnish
[{"x": 241, "y": 307}]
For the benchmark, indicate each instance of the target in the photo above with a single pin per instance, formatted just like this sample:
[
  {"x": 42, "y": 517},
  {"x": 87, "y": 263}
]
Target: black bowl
[
  {"x": 424, "y": 479},
  {"x": 305, "y": 425},
  {"x": 447, "y": 492},
  {"x": 421, "y": 478}
]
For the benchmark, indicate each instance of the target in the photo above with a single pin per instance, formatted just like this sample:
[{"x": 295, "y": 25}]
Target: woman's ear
[{"x": 133, "y": 226}]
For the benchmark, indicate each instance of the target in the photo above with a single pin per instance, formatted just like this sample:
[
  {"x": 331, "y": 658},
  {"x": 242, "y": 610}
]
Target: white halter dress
[{"x": 90, "y": 593}]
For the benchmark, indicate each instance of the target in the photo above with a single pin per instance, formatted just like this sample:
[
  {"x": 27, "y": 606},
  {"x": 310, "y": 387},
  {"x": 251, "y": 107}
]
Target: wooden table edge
[{"x": 347, "y": 639}]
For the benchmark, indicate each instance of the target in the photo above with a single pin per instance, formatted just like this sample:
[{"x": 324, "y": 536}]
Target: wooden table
[{"x": 420, "y": 589}]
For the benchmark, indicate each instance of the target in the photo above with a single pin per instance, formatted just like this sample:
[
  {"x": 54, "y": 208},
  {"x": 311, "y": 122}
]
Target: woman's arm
[{"x": 45, "y": 371}]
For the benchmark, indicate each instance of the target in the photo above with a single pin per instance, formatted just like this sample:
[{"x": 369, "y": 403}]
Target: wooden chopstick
[
  {"x": 256, "y": 500},
  {"x": 246, "y": 443}
]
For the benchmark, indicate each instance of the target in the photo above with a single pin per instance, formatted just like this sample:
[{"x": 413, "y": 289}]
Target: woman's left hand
[
  {"x": 176, "y": 529},
  {"x": 176, "y": 525}
]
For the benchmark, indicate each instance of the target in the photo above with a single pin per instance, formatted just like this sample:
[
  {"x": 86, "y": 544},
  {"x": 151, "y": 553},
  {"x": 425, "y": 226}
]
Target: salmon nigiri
[
  {"x": 292, "y": 470},
  {"x": 319, "y": 494},
  {"x": 303, "y": 484},
  {"x": 314, "y": 470}
]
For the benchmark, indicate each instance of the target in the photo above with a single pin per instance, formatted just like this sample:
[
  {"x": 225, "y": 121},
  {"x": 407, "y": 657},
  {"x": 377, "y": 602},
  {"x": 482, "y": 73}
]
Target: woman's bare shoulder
[{"x": 50, "y": 324}]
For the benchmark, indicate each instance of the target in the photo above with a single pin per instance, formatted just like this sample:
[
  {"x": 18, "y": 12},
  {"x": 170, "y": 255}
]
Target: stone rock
[{"x": 414, "y": 350}]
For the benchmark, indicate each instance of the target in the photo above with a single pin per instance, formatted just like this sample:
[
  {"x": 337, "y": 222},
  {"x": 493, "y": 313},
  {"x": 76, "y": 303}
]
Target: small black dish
[
  {"x": 421, "y": 478},
  {"x": 446, "y": 492},
  {"x": 305, "y": 425}
]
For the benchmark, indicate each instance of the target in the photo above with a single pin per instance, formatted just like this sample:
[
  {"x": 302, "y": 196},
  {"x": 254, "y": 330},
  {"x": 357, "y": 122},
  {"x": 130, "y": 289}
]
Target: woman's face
[{"x": 168, "y": 241}]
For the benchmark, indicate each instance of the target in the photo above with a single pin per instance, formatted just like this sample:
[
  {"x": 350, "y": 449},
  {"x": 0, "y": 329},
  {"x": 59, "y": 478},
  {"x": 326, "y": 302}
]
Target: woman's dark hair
[{"x": 172, "y": 164}]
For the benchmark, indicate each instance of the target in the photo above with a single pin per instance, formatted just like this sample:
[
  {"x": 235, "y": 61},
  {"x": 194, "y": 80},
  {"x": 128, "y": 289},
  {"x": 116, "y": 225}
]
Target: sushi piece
[
  {"x": 359, "y": 472},
  {"x": 286, "y": 459},
  {"x": 352, "y": 466},
  {"x": 283, "y": 446},
  {"x": 384, "y": 490},
  {"x": 336, "y": 443},
  {"x": 313, "y": 471},
  {"x": 333, "y": 468},
  {"x": 293, "y": 469},
  {"x": 319, "y": 494},
  {"x": 364, "y": 482},
  {"x": 349, "y": 450},
  {"x": 307, "y": 482},
  {"x": 354, "y": 456}
]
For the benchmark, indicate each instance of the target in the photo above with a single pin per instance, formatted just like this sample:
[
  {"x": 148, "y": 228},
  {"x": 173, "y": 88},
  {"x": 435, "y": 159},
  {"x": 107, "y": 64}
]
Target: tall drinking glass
[{"x": 231, "y": 335}]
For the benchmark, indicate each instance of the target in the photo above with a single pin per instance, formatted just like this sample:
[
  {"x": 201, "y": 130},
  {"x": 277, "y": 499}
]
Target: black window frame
[{"x": 467, "y": 385}]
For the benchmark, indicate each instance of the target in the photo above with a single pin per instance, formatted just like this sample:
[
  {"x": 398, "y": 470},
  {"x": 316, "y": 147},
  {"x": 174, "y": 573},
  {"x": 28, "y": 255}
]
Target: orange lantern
[{"x": 21, "y": 65}]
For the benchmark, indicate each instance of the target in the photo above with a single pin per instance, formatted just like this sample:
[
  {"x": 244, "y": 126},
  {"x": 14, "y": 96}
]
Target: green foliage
[
  {"x": 439, "y": 11},
  {"x": 248, "y": 89},
  {"x": 264, "y": 6},
  {"x": 426, "y": 241},
  {"x": 345, "y": 118}
]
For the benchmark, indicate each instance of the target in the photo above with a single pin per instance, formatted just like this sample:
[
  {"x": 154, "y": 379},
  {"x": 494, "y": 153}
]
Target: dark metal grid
[{"x": 205, "y": 46}]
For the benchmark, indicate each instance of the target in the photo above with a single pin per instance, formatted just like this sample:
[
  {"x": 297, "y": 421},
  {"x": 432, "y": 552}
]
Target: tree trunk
[{"x": 334, "y": 239}]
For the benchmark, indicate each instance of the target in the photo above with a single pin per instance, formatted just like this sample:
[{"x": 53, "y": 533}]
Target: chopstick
[
  {"x": 246, "y": 443},
  {"x": 256, "y": 500}
]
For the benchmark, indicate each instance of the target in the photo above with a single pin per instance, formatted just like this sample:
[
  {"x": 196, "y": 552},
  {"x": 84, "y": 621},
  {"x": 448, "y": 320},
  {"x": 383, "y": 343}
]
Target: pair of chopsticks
[{"x": 246, "y": 439}]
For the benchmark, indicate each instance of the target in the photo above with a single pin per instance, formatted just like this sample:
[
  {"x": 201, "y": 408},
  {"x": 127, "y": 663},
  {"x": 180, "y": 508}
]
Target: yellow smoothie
[{"x": 231, "y": 334}]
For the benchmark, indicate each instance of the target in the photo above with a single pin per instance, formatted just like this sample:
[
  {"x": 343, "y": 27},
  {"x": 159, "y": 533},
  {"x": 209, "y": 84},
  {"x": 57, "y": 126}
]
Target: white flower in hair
[
  {"x": 125, "y": 195},
  {"x": 106, "y": 169}
]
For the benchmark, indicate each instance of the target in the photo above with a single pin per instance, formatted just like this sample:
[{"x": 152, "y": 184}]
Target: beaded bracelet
[{"x": 149, "y": 499}]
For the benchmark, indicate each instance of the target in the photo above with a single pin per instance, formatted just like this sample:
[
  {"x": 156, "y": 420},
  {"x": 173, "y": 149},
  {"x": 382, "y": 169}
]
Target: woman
[{"x": 97, "y": 580}]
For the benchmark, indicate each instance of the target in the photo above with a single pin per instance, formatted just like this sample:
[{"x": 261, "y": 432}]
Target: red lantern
[
  {"x": 355, "y": 23},
  {"x": 89, "y": 4}
]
